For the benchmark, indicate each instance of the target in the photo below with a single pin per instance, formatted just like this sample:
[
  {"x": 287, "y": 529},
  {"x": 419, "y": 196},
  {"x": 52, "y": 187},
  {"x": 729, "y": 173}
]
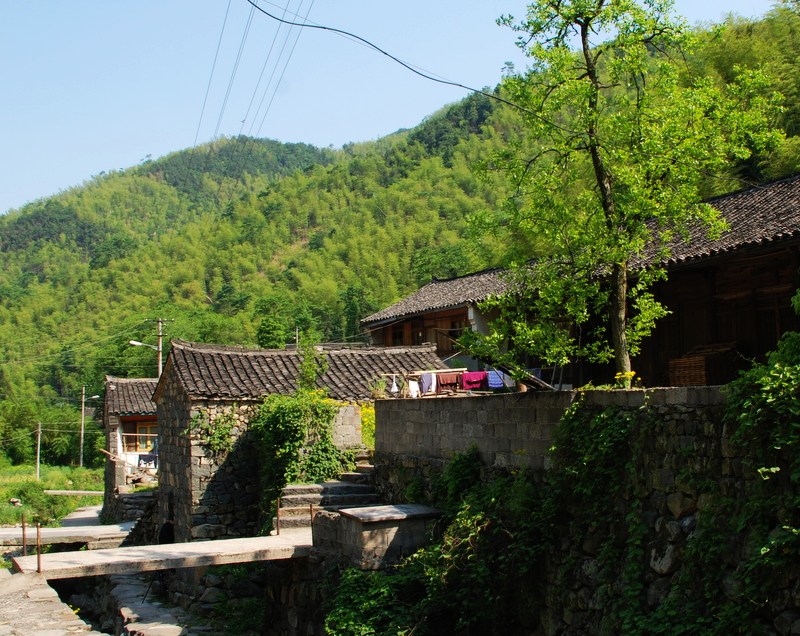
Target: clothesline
[
  {"x": 406, "y": 373},
  {"x": 415, "y": 384}
]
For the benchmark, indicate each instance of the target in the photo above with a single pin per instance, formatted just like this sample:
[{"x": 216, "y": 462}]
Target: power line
[
  {"x": 211, "y": 75},
  {"x": 248, "y": 142},
  {"x": 423, "y": 74},
  {"x": 234, "y": 70},
  {"x": 261, "y": 75},
  {"x": 41, "y": 357}
]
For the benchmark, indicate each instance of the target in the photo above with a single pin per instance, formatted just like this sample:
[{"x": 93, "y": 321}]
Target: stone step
[
  {"x": 367, "y": 478},
  {"x": 301, "y": 517},
  {"x": 339, "y": 487},
  {"x": 324, "y": 499}
]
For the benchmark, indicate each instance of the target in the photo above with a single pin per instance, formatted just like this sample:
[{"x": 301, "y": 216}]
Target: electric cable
[
  {"x": 247, "y": 143},
  {"x": 211, "y": 75},
  {"x": 423, "y": 74},
  {"x": 73, "y": 349}
]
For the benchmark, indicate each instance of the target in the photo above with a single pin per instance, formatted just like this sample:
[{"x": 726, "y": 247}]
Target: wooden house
[
  {"x": 729, "y": 298},
  {"x": 438, "y": 313}
]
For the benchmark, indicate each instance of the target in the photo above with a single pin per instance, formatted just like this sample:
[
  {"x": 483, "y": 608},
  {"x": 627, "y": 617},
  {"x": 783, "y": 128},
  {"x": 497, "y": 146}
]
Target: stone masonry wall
[
  {"x": 683, "y": 459},
  {"x": 347, "y": 427},
  {"x": 415, "y": 438},
  {"x": 213, "y": 497}
]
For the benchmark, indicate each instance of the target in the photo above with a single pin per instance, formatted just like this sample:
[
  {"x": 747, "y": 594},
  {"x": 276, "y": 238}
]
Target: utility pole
[
  {"x": 159, "y": 347},
  {"x": 83, "y": 421},
  {"x": 38, "y": 448}
]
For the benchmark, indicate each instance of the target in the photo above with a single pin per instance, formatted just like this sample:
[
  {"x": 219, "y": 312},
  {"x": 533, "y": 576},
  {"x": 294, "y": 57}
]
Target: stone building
[
  {"x": 203, "y": 496},
  {"x": 131, "y": 430}
]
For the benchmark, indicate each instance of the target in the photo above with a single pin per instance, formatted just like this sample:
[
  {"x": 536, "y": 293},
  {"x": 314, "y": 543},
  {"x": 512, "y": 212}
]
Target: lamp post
[
  {"x": 83, "y": 416},
  {"x": 157, "y": 348}
]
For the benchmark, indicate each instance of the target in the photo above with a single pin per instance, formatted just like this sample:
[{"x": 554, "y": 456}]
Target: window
[{"x": 146, "y": 435}]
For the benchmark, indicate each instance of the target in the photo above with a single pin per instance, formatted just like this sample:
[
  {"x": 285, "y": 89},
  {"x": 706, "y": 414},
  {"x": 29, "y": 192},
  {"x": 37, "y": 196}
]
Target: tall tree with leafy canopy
[{"x": 621, "y": 138}]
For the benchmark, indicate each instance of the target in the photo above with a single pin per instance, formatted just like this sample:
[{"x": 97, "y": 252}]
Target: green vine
[
  {"x": 295, "y": 436},
  {"x": 588, "y": 520},
  {"x": 216, "y": 436}
]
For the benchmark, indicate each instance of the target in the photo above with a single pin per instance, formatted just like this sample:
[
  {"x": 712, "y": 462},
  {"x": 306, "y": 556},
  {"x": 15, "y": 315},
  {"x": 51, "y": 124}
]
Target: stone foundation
[{"x": 375, "y": 537}]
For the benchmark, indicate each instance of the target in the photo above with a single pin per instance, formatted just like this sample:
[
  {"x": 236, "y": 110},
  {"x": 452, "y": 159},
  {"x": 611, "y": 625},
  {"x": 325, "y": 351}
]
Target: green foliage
[
  {"x": 368, "y": 425},
  {"x": 216, "y": 436},
  {"x": 295, "y": 440},
  {"x": 620, "y": 138},
  {"x": 478, "y": 578},
  {"x": 313, "y": 363},
  {"x": 485, "y": 572},
  {"x": 460, "y": 476},
  {"x": 244, "y": 241},
  {"x": 19, "y": 482},
  {"x": 60, "y": 424}
]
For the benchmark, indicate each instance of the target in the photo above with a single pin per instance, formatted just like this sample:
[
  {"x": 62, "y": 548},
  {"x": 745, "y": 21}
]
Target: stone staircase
[{"x": 355, "y": 489}]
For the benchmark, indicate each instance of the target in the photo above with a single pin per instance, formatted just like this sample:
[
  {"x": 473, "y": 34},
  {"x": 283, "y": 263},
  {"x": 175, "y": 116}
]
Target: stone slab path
[
  {"x": 289, "y": 544},
  {"x": 30, "y": 607},
  {"x": 66, "y": 534}
]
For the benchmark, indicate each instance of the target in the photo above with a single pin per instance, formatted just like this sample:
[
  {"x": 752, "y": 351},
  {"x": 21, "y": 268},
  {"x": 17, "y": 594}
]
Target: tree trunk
[
  {"x": 618, "y": 309},
  {"x": 618, "y": 315}
]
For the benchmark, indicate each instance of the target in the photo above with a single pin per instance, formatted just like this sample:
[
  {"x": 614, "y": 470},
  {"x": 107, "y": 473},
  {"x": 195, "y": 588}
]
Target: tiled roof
[
  {"x": 444, "y": 294},
  {"x": 217, "y": 371},
  {"x": 756, "y": 217},
  {"x": 130, "y": 396}
]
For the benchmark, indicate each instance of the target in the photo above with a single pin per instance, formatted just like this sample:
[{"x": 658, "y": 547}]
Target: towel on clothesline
[
  {"x": 413, "y": 388},
  {"x": 448, "y": 381},
  {"x": 473, "y": 380},
  {"x": 495, "y": 380},
  {"x": 427, "y": 383}
]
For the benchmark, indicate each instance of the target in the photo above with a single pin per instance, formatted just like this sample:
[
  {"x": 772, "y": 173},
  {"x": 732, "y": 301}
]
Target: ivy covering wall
[{"x": 658, "y": 519}]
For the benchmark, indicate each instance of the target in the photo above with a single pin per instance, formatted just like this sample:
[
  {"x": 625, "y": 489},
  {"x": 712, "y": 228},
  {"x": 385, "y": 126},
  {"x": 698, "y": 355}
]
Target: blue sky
[{"x": 98, "y": 85}]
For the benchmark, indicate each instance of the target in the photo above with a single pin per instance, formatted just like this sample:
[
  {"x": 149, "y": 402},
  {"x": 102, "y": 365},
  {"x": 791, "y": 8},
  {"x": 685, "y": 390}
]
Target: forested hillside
[{"x": 243, "y": 241}]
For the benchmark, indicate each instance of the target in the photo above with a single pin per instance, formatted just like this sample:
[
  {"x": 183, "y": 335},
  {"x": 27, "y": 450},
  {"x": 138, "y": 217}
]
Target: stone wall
[
  {"x": 127, "y": 506},
  {"x": 414, "y": 439},
  {"x": 682, "y": 462},
  {"x": 113, "y": 477},
  {"x": 207, "y": 496},
  {"x": 347, "y": 427}
]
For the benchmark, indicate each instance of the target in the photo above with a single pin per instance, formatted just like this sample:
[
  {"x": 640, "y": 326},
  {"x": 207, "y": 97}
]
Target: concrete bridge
[{"x": 292, "y": 543}]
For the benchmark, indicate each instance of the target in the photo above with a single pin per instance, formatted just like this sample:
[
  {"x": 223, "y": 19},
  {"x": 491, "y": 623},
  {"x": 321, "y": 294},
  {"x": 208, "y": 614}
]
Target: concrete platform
[
  {"x": 400, "y": 512},
  {"x": 289, "y": 544},
  {"x": 91, "y": 535},
  {"x": 86, "y": 516}
]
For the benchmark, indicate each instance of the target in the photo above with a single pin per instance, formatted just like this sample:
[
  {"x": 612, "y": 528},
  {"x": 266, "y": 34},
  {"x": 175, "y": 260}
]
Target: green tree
[{"x": 621, "y": 140}]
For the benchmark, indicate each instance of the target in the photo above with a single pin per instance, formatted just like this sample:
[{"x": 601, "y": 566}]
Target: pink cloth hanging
[{"x": 473, "y": 380}]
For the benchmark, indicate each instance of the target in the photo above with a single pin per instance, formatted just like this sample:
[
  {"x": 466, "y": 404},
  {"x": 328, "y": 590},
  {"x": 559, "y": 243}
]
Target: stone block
[
  {"x": 681, "y": 505},
  {"x": 662, "y": 479}
]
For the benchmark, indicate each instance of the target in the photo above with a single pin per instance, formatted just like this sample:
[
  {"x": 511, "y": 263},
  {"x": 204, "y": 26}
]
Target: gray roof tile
[
  {"x": 238, "y": 373},
  {"x": 444, "y": 294},
  {"x": 130, "y": 396},
  {"x": 757, "y": 216}
]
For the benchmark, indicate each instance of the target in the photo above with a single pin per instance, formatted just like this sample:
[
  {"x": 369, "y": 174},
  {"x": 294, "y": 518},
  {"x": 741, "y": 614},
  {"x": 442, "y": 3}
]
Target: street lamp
[
  {"x": 136, "y": 343},
  {"x": 158, "y": 347},
  {"x": 83, "y": 416}
]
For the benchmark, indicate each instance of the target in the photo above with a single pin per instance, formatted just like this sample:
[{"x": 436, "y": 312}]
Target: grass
[{"x": 19, "y": 482}]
